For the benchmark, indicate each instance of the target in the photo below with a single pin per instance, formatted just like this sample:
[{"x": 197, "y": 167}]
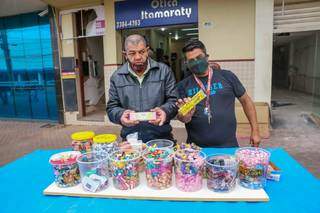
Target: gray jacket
[{"x": 156, "y": 90}]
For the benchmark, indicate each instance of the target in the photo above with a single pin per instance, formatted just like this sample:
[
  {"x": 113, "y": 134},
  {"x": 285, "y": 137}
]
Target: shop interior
[
  {"x": 91, "y": 64},
  {"x": 166, "y": 43},
  {"x": 295, "y": 78}
]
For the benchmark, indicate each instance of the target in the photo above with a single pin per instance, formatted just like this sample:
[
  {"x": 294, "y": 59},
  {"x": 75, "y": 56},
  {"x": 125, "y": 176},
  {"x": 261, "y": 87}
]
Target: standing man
[
  {"x": 292, "y": 74},
  {"x": 142, "y": 85},
  {"x": 212, "y": 123}
]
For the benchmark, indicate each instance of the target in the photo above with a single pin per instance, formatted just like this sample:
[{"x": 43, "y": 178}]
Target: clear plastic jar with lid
[
  {"x": 82, "y": 141},
  {"x": 65, "y": 168},
  {"x": 104, "y": 142}
]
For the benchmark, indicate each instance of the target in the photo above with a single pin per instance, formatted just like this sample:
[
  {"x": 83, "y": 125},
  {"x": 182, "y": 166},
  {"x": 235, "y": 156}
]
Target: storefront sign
[{"x": 150, "y": 13}]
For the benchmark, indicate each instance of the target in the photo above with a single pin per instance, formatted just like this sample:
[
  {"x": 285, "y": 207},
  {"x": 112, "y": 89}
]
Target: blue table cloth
[{"x": 22, "y": 183}]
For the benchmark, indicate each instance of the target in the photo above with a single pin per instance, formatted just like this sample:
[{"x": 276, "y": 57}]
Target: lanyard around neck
[{"x": 206, "y": 90}]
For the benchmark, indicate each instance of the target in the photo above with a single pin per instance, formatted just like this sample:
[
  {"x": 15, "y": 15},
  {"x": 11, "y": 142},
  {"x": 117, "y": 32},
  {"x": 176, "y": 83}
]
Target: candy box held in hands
[{"x": 142, "y": 116}]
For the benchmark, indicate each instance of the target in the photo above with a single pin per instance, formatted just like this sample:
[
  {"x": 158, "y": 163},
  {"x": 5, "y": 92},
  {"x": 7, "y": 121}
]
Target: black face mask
[
  {"x": 198, "y": 66},
  {"x": 139, "y": 67}
]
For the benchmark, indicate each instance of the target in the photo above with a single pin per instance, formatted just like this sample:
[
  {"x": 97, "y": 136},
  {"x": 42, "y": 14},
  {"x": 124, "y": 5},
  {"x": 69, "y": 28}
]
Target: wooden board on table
[{"x": 143, "y": 192}]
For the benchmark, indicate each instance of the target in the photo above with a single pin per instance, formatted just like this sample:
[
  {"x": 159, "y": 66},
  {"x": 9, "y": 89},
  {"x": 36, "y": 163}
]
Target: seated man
[
  {"x": 142, "y": 85},
  {"x": 212, "y": 123}
]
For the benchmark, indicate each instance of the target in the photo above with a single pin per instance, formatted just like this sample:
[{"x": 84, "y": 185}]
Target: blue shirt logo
[{"x": 214, "y": 87}]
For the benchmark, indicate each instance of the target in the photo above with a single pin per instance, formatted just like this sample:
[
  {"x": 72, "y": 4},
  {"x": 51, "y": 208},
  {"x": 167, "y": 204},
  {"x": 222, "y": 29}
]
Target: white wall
[
  {"x": 231, "y": 35},
  {"x": 263, "y": 50}
]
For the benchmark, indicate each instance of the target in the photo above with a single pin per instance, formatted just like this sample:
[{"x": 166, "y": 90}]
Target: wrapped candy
[
  {"x": 188, "y": 167},
  {"x": 253, "y": 166},
  {"x": 65, "y": 168},
  {"x": 187, "y": 146},
  {"x": 104, "y": 142},
  {"x": 221, "y": 172},
  {"x": 158, "y": 170},
  {"x": 124, "y": 166}
]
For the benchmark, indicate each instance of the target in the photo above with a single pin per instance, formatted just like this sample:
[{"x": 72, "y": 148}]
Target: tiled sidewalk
[{"x": 20, "y": 138}]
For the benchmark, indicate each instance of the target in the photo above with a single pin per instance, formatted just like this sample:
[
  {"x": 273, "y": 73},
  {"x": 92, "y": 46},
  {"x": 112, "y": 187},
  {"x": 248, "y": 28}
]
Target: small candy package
[
  {"x": 197, "y": 98},
  {"x": 142, "y": 116},
  {"x": 274, "y": 172}
]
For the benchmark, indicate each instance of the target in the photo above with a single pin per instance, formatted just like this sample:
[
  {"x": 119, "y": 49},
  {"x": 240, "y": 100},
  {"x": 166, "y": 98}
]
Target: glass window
[{"x": 27, "y": 83}]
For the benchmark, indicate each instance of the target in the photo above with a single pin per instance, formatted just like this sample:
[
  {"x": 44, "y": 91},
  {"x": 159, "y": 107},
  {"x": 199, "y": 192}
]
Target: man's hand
[
  {"x": 125, "y": 119},
  {"x": 255, "y": 139},
  {"x": 161, "y": 116},
  {"x": 186, "y": 118},
  {"x": 250, "y": 111}
]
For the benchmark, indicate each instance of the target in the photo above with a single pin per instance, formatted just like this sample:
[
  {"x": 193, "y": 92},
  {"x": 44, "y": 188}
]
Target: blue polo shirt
[{"x": 221, "y": 132}]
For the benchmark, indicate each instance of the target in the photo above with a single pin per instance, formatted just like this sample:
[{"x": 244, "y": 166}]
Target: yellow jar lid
[
  {"x": 80, "y": 136},
  {"x": 105, "y": 138}
]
